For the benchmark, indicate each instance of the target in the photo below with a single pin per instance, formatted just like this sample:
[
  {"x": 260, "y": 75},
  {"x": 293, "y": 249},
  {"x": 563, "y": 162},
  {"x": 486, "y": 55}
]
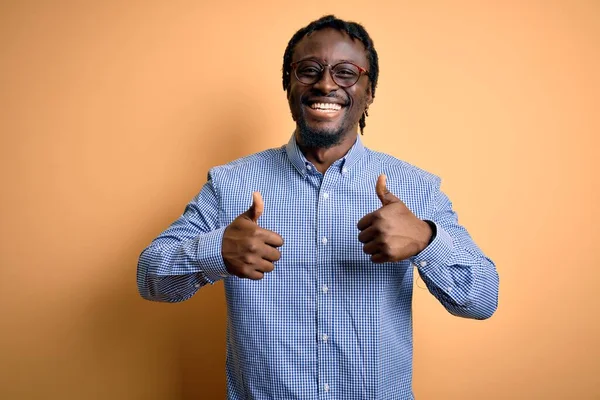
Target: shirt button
[
  {"x": 308, "y": 167},
  {"x": 423, "y": 263},
  {"x": 449, "y": 289},
  {"x": 325, "y": 337},
  {"x": 344, "y": 170},
  {"x": 326, "y": 387},
  {"x": 325, "y": 289},
  {"x": 197, "y": 285},
  {"x": 324, "y": 240},
  {"x": 325, "y": 195}
]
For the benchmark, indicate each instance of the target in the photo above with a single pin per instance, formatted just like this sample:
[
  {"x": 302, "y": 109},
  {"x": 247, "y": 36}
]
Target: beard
[
  {"x": 319, "y": 138},
  {"x": 322, "y": 138}
]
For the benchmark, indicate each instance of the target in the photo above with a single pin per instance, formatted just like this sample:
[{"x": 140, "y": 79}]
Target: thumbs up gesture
[
  {"x": 247, "y": 249},
  {"x": 392, "y": 233}
]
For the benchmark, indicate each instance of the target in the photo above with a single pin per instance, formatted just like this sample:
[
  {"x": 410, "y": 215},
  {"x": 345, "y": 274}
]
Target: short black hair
[{"x": 352, "y": 29}]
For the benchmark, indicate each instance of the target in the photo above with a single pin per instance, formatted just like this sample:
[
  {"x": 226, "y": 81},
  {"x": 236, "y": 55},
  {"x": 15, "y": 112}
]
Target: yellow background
[{"x": 112, "y": 112}]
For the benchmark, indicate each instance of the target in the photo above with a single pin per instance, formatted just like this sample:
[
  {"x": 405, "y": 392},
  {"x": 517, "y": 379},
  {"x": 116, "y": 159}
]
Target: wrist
[
  {"x": 432, "y": 231},
  {"x": 429, "y": 233}
]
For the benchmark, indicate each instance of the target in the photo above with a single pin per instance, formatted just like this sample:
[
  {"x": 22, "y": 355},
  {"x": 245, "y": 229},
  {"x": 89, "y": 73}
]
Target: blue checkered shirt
[{"x": 327, "y": 323}]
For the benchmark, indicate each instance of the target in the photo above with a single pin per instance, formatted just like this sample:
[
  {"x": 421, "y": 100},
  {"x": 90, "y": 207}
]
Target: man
[{"x": 318, "y": 264}]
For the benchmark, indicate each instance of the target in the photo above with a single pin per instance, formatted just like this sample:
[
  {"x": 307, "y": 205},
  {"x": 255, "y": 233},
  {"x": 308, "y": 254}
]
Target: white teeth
[{"x": 326, "y": 106}]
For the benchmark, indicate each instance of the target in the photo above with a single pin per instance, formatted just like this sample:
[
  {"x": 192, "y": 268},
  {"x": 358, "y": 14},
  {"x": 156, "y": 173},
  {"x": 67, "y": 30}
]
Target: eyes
[
  {"x": 308, "y": 71},
  {"x": 344, "y": 74},
  {"x": 313, "y": 69}
]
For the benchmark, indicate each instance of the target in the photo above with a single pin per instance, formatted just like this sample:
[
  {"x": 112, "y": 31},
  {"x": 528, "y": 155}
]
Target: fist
[
  {"x": 392, "y": 233},
  {"x": 248, "y": 250}
]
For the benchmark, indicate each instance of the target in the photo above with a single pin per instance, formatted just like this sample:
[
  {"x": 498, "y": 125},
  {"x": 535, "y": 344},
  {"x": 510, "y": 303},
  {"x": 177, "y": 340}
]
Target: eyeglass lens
[{"x": 343, "y": 74}]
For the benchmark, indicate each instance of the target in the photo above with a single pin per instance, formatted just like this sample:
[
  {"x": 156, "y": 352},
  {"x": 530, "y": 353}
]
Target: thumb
[
  {"x": 257, "y": 207},
  {"x": 383, "y": 193}
]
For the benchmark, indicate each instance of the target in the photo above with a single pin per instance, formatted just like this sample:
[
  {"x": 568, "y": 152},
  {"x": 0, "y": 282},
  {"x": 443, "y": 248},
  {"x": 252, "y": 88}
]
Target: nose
[{"x": 326, "y": 84}]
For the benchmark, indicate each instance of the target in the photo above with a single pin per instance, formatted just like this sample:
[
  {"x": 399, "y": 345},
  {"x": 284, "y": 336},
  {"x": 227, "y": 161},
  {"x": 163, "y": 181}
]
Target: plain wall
[{"x": 112, "y": 112}]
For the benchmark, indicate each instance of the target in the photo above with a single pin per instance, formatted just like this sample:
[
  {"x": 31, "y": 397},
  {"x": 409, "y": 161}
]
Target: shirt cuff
[
  {"x": 210, "y": 258},
  {"x": 436, "y": 253}
]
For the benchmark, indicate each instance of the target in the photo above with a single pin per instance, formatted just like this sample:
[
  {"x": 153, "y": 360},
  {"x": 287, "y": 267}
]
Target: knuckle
[
  {"x": 377, "y": 226},
  {"x": 386, "y": 249},
  {"x": 254, "y": 232},
  {"x": 252, "y": 247}
]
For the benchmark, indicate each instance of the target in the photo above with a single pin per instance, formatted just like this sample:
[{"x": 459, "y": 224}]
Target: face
[{"x": 326, "y": 113}]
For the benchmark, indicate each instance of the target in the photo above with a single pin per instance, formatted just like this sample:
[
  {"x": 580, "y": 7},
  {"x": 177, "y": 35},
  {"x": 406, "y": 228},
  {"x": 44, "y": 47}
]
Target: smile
[{"x": 326, "y": 107}]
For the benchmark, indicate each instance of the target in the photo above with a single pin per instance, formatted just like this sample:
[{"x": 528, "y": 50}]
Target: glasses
[{"x": 344, "y": 74}]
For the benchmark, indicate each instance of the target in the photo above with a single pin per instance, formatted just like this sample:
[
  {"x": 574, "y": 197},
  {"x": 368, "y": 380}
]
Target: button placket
[{"x": 324, "y": 254}]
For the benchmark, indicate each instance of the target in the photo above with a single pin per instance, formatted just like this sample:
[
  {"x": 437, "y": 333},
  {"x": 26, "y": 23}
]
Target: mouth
[
  {"x": 320, "y": 109},
  {"x": 327, "y": 108}
]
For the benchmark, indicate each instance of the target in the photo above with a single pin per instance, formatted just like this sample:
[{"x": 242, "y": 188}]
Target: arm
[
  {"x": 454, "y": 269},
  {"x": 187, "y": 255}
]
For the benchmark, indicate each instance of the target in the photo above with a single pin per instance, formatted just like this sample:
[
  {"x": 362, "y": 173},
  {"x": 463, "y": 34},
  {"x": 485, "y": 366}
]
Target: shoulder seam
[
  {"x": 386, "y": 159},
  {"x": 262, "y": 156}
]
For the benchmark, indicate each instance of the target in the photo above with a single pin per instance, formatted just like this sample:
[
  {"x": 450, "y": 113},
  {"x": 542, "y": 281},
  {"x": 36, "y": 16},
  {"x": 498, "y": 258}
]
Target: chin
[{"x": 318, "y": 136}]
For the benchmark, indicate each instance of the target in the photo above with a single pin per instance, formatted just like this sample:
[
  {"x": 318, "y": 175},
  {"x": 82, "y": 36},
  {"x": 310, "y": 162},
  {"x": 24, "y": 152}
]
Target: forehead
[{"x": 331, "y": 46}]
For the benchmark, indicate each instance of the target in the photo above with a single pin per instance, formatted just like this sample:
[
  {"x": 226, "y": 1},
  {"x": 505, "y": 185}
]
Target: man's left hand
[{"x": 392, "y": 233}]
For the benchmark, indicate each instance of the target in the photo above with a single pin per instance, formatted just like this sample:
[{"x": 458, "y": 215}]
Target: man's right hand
[{"x": 249, "y": 250}]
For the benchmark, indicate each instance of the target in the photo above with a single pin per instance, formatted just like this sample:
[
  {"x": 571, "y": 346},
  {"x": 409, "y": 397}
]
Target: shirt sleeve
[
  {"x": 187, "y": 255},
  {"x": 454, "y": 269}
]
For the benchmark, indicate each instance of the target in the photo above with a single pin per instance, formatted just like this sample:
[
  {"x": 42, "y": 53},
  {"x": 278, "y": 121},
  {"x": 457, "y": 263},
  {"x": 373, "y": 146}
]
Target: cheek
[
  {"x": 359, "y": 101},
  {"x": 358, "y": 105},
  {"x": 293, "y": 97}
]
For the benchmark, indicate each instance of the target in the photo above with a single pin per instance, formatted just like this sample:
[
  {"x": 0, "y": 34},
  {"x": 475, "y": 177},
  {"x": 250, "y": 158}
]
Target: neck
[{"x": 322, "y": 158}]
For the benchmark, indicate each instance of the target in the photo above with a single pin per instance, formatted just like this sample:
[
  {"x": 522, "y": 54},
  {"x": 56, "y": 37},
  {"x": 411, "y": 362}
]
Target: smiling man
[{"x": 317, "y": 242}]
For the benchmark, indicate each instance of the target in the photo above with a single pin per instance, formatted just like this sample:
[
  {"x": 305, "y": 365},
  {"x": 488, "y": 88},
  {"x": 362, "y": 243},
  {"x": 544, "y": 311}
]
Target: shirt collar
[{"x": 300, "y": 162}]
